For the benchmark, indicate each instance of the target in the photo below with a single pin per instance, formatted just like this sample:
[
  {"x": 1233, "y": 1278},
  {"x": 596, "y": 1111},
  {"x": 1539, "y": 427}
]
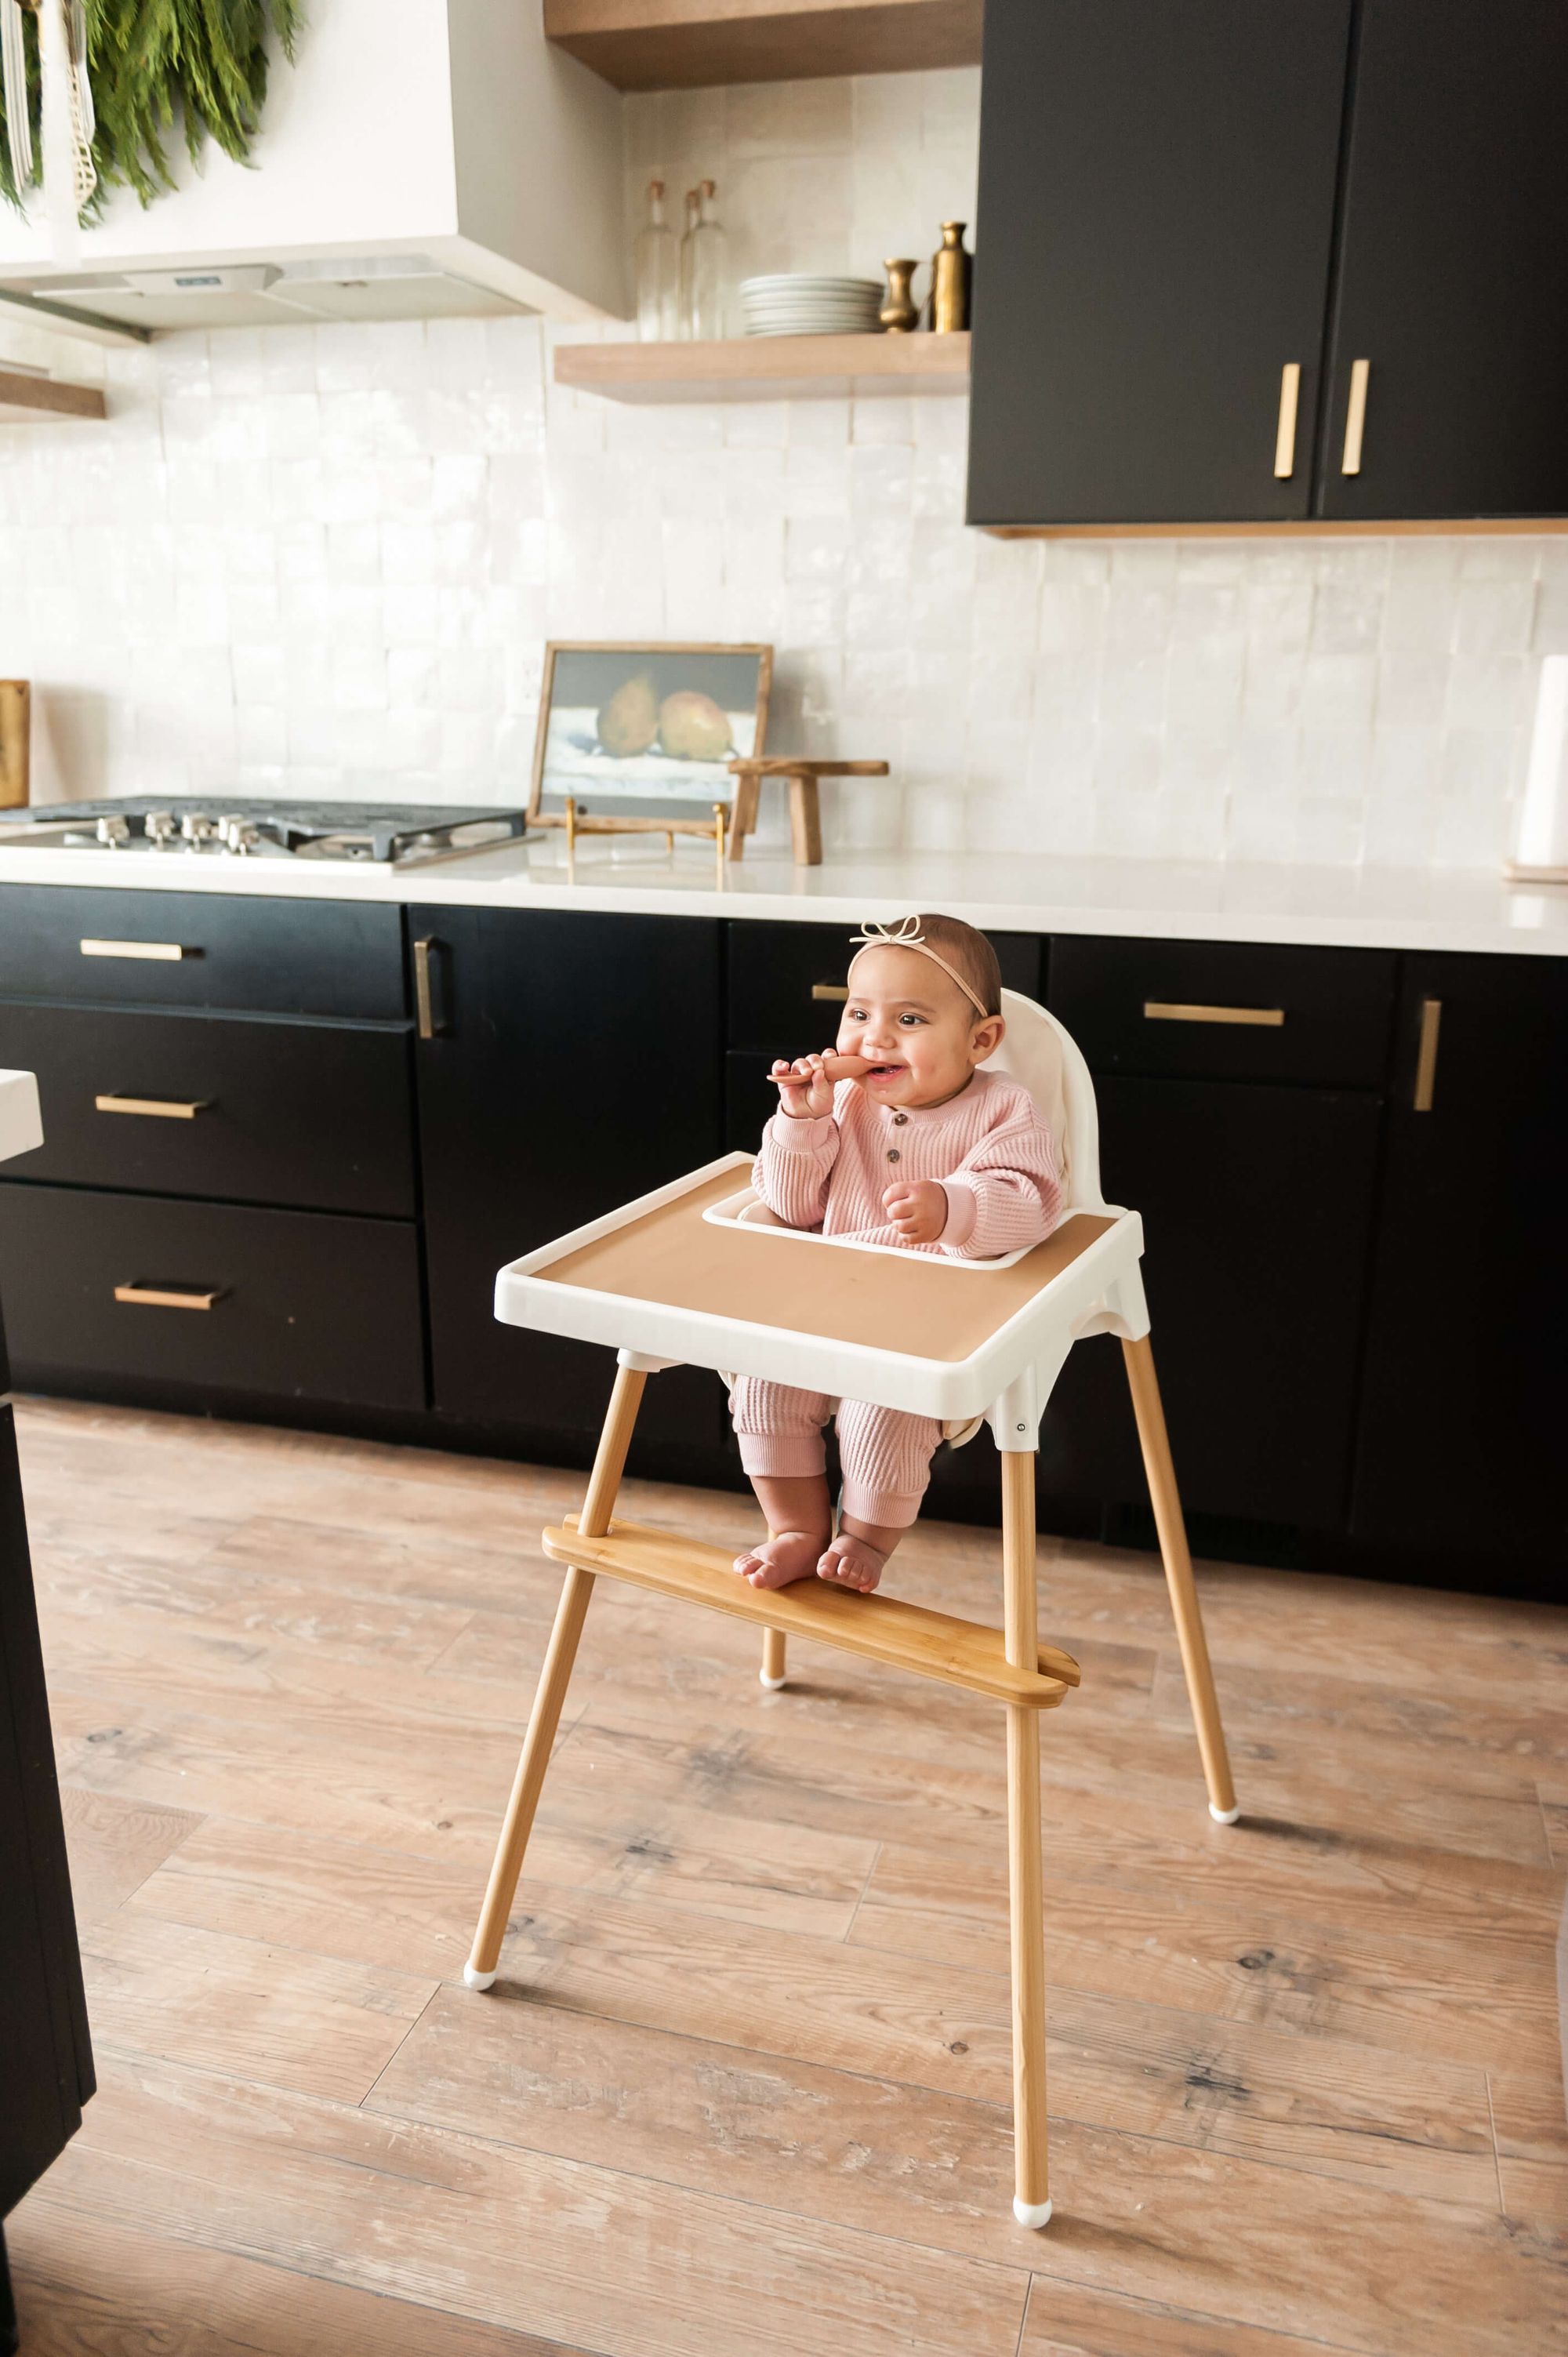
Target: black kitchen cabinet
[
  {"x": 1180, "y": 204},
  {"x": 1257, "y": 1210},
  {"x": 1461, "y": 1440},
  {"x": 1453, "y": 274},
  {"x": 1156, "y": 222},
  {"x": 574, "y": 1064}
]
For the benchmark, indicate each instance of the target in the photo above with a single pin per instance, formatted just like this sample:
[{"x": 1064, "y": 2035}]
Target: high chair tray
[
  {"x": 747, "y": 1209},
  {"x": 903, "y": 1329}
]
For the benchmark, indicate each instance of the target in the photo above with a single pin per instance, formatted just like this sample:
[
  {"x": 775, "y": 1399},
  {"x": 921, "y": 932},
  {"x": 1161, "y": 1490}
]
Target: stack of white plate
[{"x": 793, "y": 304}]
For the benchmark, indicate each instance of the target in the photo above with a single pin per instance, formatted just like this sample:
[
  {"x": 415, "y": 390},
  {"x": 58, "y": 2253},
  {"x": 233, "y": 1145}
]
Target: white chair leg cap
[
  {"x": 1032, "y": 2213},
  {"x": 772, "y": 1684},
  {"x": 1225, "y": 1817},
  {"x": 477, "y": 1980}
]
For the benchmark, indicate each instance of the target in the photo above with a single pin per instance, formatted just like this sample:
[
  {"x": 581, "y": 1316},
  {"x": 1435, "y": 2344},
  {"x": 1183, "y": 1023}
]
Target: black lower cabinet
[
  {"x": 45, "y": 2062},
  {"x": 1461, "y": 1443},
  {"x": 574, "y": 1064},
  {"x": 196, "y": 1301},
  {"x": 1257, "y": 1209}
]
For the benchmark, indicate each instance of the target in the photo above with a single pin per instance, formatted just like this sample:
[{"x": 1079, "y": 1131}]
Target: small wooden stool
[
  {"x": 685, "y": 1277},
  {"x": 805, "y": 808}
]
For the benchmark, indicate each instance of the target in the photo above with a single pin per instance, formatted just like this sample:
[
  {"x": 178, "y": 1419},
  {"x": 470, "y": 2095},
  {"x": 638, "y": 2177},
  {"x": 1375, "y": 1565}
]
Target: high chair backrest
[{"x": 1045, "y": 1059}]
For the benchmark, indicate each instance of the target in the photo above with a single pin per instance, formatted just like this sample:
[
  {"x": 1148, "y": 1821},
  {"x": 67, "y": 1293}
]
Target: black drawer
[
  {"x": 316, "y": 1114},
  {"x": 303, "y": 1307},
  {"x": 775, "y": 969},
  {"x": 202, "y": 949},
  {"x": 1226, "y": 1010}
]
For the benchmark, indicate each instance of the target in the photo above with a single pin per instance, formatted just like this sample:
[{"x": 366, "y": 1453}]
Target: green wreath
[{"x": 200, "y": 65}]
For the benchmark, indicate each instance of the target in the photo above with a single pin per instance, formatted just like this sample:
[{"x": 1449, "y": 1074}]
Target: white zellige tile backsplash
[{"x": 325, "y": 561}]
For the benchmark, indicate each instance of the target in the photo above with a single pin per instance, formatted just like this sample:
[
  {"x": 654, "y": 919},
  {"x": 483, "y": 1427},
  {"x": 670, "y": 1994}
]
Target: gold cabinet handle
[
  {"x": 837, "y": 991},
  {"x": 1426, "y": 1055},
  {"x": 160, "y": 1108},
  {"x": 136, "y": 949},
  {"x": 1161, "y": 1010},
  {"x": 1285, "y": 432},
  {"x": 168, "y": 1296},
  {"x": 1356, "y": 417},
  {"x": 423, "y": 999}
]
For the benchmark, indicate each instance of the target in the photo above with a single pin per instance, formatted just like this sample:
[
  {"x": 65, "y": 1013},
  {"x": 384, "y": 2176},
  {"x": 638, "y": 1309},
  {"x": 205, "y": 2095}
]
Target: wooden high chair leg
[
  {"x": 609, "y": 1462},
  {"x": 772, "y": 1670},
  {"x": 1177, "y": 1559},
  {"x": 1031, "y": 2195}
]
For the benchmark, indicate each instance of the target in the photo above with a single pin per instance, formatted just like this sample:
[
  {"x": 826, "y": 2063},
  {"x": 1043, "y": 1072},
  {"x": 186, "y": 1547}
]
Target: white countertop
[{"x": 1354, "y": 907}]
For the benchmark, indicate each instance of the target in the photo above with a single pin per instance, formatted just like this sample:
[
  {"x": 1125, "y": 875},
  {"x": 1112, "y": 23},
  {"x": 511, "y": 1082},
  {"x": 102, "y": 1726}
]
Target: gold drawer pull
[
  {"x": 1160, "y": 1011},
  {"x": 837, "y": 991},
  {"x": 162, "y": 949},
  {"x": 1356, "y": 417},
  {"x": 161, "y": 1108},
  {"x": 1427, "y": 1056},
  {"x": 1285, "y": 433},
  {"x": 167, "y": 1296},
  {"x": 426, "y": 1023}
]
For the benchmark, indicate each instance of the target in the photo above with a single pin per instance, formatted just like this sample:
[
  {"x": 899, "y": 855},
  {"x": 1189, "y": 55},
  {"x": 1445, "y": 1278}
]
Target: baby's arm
[
  {"x": 800, "y": 1146},
  {"x": 1005, "y": 1196}
]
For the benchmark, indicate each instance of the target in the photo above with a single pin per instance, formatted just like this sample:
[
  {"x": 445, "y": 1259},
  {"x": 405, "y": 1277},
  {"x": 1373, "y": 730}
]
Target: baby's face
[{"x": 914, "y": 1024}]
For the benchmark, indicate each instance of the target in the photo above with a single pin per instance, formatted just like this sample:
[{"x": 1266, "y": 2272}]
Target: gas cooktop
[{"x": 240, "y": 826}]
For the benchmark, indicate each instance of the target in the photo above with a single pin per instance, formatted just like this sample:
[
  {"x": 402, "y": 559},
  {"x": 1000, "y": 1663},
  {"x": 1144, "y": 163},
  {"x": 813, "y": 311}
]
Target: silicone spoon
[{"x": 837, "y": 1067}]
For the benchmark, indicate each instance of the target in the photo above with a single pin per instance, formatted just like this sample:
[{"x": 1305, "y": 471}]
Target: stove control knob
[
  {"x": 240, "y": 834},
  {"x": 159, "y": 827},
  {"x": 196, "y": 827},
  {"x": 112, "y": 832}
]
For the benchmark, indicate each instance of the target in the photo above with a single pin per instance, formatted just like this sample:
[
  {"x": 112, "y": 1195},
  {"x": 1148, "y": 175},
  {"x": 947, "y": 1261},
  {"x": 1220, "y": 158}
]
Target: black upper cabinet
[
  {"x": 1453, "y": 278},
  {"x": 1156, "y": 220},
  {"x": 1461, "y": 1439},
  {"x": 1179, "y": 201},
  {"x": 575, "y": 1064}
]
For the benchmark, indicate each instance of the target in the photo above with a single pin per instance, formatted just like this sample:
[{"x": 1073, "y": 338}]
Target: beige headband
[{"x": 906, "y": 935}]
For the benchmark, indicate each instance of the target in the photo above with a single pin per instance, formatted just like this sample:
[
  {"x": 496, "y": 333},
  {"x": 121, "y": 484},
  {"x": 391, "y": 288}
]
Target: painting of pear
[
  {"x": 692, "y": 727},
  {"x": 628, "y": 723}
]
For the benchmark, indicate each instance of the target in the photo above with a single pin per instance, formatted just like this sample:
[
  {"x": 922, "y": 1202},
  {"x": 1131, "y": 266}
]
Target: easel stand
[{"x": 670, "y": 1285}]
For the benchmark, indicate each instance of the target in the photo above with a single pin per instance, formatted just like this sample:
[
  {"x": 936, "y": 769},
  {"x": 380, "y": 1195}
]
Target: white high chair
[{"x": 681, "y": 1278}]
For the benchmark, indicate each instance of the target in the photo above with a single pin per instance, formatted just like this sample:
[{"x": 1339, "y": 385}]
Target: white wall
[{"x": 326, "y": 560}]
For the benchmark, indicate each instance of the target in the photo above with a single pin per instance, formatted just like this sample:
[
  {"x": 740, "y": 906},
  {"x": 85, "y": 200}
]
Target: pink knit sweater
[{"x": 987, "y": 1147}]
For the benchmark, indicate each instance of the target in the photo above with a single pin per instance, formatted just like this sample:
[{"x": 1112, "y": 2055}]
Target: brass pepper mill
[
  {"x": 950, "y": 272},
  {"x": 899, "y": 313}
]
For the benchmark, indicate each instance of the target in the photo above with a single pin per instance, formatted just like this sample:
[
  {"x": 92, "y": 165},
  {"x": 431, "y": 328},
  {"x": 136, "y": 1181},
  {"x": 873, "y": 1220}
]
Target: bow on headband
[{"x": 906, "y": 935}]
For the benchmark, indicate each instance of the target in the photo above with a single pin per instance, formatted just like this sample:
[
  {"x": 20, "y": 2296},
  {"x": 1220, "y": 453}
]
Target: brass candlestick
[
  {"x": 951, "y": 279},
  {"x": 16, "y": 699}
]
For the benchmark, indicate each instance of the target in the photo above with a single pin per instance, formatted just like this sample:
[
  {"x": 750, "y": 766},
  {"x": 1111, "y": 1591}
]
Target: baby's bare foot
[
  {"x": 783, "y": 1556},
  {"x": 852, "y": 1562}
]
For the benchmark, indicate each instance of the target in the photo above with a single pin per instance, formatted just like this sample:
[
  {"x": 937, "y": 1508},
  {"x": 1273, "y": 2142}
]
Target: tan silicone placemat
[{"x": 919, "y": 1308}]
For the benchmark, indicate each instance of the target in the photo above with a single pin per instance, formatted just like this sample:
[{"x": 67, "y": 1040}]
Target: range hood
[{"x": 422, "y": 158}]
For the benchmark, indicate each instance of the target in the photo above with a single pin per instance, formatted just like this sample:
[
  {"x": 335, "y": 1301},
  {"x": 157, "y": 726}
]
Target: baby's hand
[
  {"x": 805, "y": 1091},
  {"x": 918, "y": 1210}
]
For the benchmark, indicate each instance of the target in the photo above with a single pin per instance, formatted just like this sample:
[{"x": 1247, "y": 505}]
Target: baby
[{"x": 919, "y": 1149}]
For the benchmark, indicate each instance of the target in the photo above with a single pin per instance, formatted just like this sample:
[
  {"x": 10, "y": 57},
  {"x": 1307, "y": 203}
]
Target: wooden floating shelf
[
  {"x": 883, "y": 1628},
  {"x": 769, "y": 367},
  {"x": 693, "y": 44},
  {"x": 34, "y": 400}
]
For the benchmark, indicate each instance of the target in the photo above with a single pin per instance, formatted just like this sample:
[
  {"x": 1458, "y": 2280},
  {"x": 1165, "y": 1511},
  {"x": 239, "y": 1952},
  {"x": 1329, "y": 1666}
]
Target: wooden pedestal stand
[{"x": 805, "y": 808}]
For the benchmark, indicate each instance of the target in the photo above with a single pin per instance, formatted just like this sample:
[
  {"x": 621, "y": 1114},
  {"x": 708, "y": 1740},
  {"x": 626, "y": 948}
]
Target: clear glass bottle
[
  {"x": 703, "y": 266},
  {"x": 658, "y": 273}
]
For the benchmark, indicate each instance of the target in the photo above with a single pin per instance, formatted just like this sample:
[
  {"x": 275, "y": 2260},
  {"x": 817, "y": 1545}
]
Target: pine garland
[{"x": 199, "y": 65}]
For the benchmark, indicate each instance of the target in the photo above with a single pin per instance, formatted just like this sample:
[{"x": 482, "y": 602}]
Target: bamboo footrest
[{"x": 883, "y": 1628}]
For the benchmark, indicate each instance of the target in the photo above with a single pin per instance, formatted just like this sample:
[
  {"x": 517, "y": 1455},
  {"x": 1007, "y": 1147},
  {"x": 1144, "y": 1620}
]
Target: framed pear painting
[{"x": 645, "y": 732}]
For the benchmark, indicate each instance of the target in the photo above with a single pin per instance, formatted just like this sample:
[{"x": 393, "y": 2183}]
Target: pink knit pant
[{"x": 885, "y": 1456}]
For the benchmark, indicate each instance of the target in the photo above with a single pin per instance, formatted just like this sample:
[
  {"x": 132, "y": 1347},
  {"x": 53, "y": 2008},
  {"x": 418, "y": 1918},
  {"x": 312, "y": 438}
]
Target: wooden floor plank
[
  {"x": 745, "y": 2081},
  {"x": 586, "y": 2255},
  {"x": 266, "y": 2013},
  {"x": 87, "y": 2289}
]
